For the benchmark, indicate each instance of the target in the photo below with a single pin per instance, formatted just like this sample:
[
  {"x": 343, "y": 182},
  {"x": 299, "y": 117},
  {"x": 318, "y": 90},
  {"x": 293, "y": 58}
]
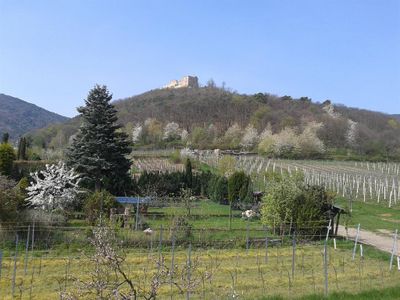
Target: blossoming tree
[{"x": 52, "y": 188}]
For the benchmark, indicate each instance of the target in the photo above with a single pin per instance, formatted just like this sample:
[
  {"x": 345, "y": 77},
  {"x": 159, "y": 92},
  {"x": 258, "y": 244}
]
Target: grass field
[
  {"x": 235, "y": 273},
  {"x": 372, "y": 216}
]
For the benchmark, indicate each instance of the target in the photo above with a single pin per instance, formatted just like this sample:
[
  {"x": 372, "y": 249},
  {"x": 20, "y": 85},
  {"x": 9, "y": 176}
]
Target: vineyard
[
  {"x": 155, "y": 164},
  {"x": 286, "y": 267},
  {"x": 366, "y": 181}
]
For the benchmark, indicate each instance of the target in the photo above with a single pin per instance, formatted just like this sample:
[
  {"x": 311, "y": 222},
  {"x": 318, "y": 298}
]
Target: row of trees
[{"x": 290, "y": 142}]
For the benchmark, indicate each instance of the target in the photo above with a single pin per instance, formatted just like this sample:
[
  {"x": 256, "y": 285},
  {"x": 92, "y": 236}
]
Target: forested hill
[
  {"x": 341, "y": 129},
  {"x": 18, "y": 117}
]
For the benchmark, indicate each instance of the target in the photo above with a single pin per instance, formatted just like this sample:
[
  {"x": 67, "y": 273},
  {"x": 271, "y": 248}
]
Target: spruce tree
[
  {"x": 98, "y": 152},
  {"x": 188, "y": 173},
  {"x": 21, "y": 154}
]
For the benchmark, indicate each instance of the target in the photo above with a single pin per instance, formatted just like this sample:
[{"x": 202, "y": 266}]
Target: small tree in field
[{"x": 53, "y": 188}]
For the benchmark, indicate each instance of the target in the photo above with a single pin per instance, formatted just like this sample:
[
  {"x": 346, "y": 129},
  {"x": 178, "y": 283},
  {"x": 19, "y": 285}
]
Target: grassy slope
[{"x": 372, "y": 216}]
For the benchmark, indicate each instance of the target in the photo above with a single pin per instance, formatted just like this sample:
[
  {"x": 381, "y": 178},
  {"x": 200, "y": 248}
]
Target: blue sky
[{"x": 53, "y": 52}]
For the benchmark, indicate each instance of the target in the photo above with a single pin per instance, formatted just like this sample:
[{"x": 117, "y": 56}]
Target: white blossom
[
  {"x": 184, "y": 135},
  {"x": 308, "y": 141},
  {"x": 137, "y": 133},
  {"x": 286, "y": 141},
  {"x": 52, "y": 188},
  {"x": 352, "y": 132},
  {"x": 171, "y": 131},
  {"x": 250, "y": 137}
]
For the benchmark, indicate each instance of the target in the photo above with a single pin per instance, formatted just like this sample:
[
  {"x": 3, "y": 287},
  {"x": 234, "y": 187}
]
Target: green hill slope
[
  {"x": 18, "y": 117},
  {"x": 377, "y": 134}
]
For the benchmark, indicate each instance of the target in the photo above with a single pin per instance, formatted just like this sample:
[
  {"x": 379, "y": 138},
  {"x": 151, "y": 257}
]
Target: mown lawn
[{"x": 371, "y": 216}]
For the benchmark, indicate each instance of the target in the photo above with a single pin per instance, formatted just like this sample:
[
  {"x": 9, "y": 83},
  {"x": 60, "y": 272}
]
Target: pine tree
[{"x": 98, "y": 152}]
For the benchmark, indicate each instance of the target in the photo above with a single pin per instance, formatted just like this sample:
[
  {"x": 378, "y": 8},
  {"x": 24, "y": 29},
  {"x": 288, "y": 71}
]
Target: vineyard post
[
  {"x": 137, "y": 215},
  {"x": 328, "y": 230},
  {"x": 26, "y": 249},
  {"x": 171, "y": 273},
  {"x": 33, "y": 237},
  {"x": 247, "y": 236},
  {"x": 1, "y": 261},
  {"x": 266, "y": 248},
  {"x": 15, "y": 265},
  {"x": 293, "y": 254},
  {"x": 394, "y": 249},
  {"x": 355, "y": 242},
  {"x": 189, "y": 265},
  {"x": 160, "y": 247},
  {"x": 326, "y": 267}
]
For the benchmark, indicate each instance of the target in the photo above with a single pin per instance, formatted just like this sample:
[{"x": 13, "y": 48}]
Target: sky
[{"x": 53, "y": 52}]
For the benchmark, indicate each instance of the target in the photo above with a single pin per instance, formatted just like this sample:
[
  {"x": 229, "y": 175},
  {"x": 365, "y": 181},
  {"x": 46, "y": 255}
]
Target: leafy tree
[
  {"x": 152, "y": 132},
  {"x": 99, "y": 150},
  {"x": 233, "y": 136},
  {"x": 98, "y": 203},
  {"x": 7, "y": 157},
  {"x": 11, "y": 200},
  {"x": 226, "y": 165}
]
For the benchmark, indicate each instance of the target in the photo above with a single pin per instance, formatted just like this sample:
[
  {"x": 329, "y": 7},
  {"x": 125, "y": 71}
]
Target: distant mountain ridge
[{"x": 17, "y": 117}]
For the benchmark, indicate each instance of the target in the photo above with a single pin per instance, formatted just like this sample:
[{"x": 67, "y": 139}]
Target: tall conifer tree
[{"x": 98, "y": 152}]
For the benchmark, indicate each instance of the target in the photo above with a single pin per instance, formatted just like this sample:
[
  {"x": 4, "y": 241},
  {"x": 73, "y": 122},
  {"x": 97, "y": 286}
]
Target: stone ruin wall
[{"x": 185, "y": 82}]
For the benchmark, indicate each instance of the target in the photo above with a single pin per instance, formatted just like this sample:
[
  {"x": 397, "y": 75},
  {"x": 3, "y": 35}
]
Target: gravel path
[{"x": 382, "y": 241}]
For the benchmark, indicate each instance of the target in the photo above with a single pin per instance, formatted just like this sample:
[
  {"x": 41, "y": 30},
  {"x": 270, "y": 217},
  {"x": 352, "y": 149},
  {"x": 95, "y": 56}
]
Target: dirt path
[{"x": 382, "y": 241}]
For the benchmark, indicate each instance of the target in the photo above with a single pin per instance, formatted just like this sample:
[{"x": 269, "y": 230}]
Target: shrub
[
  {"x": 218, "y": 189},
  {"x": 7, "y": 157},
  {"x": 239, "y": 188},
  {"x": 290, "y": 201},
  {"x": 99, "y": 203}
]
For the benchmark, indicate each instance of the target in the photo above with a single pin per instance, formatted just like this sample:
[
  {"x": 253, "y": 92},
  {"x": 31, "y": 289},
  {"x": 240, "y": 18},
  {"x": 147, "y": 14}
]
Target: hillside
[
  {"x": 18, "y": 117},
  {"x": 376, "y": 134}
]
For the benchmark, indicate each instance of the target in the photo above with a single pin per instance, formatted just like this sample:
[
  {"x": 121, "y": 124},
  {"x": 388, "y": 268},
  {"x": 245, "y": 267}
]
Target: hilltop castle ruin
[{"x": 185, "y": 82}]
